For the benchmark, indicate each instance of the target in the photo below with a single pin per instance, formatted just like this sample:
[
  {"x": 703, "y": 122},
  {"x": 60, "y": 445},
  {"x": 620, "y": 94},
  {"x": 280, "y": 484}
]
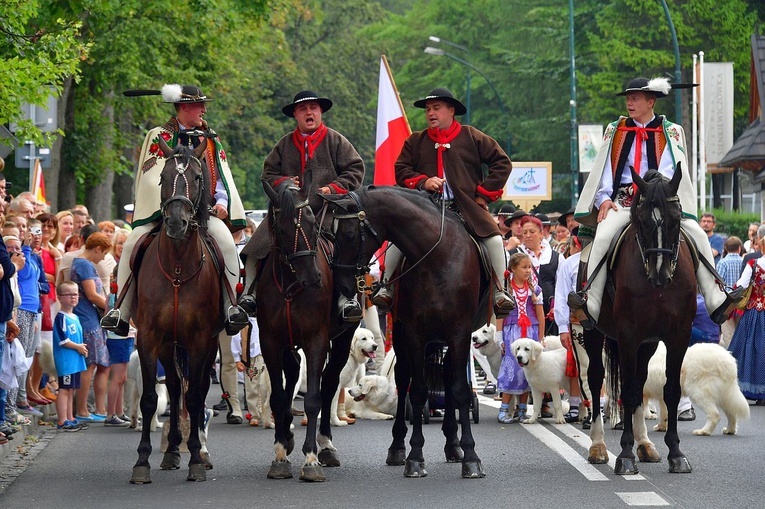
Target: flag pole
[{"x": 395, "y": 89}]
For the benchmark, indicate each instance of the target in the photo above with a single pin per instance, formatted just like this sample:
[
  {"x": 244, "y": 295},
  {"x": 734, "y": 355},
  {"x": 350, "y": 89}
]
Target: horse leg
[
  {"x": 281, "y": 467},
  {"x": 593, "y": 344},
  {"x": 142, "y": 469},
  {"x": 452, "y": 448},
  {"x": 330, "y": 380},
  {"x": 397, "y": 450},
  {"x": 646, "y": 450},
  {"x": 625, "y": 462},
  {"x": 172, "y": 458},
  {"x": 678, "y": 463},
  {"x": 460, "y": 353},
  {"x": 418, "y": 393},
  {"x": 316, "y": 355},
  {"x": 195, "y": 406}
]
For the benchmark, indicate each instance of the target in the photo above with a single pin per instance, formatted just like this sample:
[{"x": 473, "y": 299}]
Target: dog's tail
[{"x": 734, "y": 404}]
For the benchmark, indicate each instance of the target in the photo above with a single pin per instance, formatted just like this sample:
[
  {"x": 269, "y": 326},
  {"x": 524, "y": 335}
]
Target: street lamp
[
  {"x": 574, "y": 134},
  {"x": 678, "y": 76},
  {"x": 441, "y": 53},
  {"x": 438, "y": 40}
]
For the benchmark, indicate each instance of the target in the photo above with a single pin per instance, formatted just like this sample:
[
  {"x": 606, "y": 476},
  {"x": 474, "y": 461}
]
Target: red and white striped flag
[
  {"x": 392, "y": 127},
  {"x": 38, "y": 183}
]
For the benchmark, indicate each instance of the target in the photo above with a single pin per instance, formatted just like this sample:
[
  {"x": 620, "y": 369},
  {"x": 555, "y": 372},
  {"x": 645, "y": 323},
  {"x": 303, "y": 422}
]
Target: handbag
[{"x": 747, "y": 293}]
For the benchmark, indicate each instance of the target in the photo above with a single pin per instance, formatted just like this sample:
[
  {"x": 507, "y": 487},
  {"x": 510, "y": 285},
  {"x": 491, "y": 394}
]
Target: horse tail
[{"x": 613, "y": 374}]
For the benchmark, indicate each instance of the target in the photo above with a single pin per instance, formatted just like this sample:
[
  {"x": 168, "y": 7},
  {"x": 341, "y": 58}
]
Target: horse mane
[
  {"x": 423, "y": 200},
  {"x": 656, "y": 194}
]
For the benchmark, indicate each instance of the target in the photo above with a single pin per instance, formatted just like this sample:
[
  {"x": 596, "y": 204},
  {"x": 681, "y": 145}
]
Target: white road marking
[{"x": 642, "y": 498}]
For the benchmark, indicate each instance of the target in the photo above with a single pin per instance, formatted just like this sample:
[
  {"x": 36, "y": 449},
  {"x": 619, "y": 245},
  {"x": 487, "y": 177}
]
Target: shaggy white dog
[
  {"x": 545, "y": 370},
  {"x": 134, "y": 390},
  {"x": 709, "y": 376},
  {"x": 486, "y": 350}
]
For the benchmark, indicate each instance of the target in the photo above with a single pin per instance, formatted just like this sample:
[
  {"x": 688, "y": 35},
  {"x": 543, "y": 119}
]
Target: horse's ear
[
  {"x": 200, "y": 148},
  {"x": 270, "y": 192},
  {"x": 638, "y": 180},
  {"x": 164, "y": 147},
  {"x": 674, "y": 183}
]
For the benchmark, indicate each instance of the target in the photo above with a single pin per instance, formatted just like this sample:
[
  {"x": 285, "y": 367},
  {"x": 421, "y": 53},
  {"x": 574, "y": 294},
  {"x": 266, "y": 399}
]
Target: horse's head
[
  {"x": 656, "y": 214},
  {"x": 184, "y": 182},
  {"x": 295, "y": 232},
  {"x": 355, "y": 242}
]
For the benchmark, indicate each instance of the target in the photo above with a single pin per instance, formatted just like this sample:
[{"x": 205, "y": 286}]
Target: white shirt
[
  {"x": 606, "y": 187},
  {"x": 236, "y": 342},
  {"x": 565, "y": 282}
]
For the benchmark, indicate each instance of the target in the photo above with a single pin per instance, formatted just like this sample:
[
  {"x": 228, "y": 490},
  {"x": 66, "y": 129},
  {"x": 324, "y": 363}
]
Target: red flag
[{"x": 392, "y": 127}]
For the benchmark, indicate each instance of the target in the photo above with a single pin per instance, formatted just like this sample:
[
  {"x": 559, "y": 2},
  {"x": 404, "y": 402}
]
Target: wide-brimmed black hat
[
  {"x": 518, "y": 214},
  {"x": 303, "y": 96},
  {"x": 658, "y": 87},
  {"x": 562, "y": 218},
  {"x": 505, "y": 210},
  {"x": 183, "y": 94},
  {"x": 442, "y": 94},
  {"x": 543, "y": 218}
]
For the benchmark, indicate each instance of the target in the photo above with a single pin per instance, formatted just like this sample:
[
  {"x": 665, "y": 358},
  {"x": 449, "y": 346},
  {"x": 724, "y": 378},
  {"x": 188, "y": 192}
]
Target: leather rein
[{"x": 673, "y": 254}]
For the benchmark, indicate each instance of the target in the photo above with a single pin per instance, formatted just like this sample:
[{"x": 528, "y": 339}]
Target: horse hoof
[
  {"x": 453, "y": 453},
  {"x": 206, "y": 460},
  {"x": 396, "y": 457},
  {"x": 280, "y": 470},
  {"x": 679, "y": 465},
  {"x": 197, "y": 473},
  {"x": 328, "y": 458},
  {"x": 414, "y": 468},
  {"x": 171, "y": 461},
  {"x": 290, "y": 445},
  {"x": 598, "y": 455},
  {"x": 625, "y": 466},
  {"x": 312, "y": 473},
  {"x": 141, "y": 475},
  {"x": 472, "y": 470},
  {"x": 647, "y": 453}
]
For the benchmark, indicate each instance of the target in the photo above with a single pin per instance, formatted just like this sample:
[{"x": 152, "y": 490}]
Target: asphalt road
[{"x": 527, "y": 466}]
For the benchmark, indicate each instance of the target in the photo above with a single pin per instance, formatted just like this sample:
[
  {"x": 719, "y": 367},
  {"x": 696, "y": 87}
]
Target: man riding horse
[
  {"x": 447, "y": 158},
  {"x": 335, "y": 167},
  {"x": 190, "y": 108},
  {"x": 643, "y": 141}
]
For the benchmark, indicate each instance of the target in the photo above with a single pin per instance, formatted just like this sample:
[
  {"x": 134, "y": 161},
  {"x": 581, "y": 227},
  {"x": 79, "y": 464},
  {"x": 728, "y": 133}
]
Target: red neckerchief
[
  {"x": 641, "y": 135},
  {"x": 443, "y": 137},
  {"x": 307, "y": 144},
  {"x": 521, "y": 296}
]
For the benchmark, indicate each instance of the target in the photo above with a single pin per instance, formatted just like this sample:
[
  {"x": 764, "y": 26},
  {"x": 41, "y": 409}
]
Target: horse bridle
[
  {"x": 181, "y": 174},
  {"x": 299, "y": 232},
  {"x": 673, "y": 254},
  {"x": 360, "y": 268}
]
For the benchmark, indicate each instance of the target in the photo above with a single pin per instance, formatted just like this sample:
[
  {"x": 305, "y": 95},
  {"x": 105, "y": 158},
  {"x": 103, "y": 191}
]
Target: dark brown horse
[
  {"x": 441, "y": 300},
  {"x": 295, "y": 306},
  {"x": 178, "y": 310},
  {"x": 653, "y": 299}
]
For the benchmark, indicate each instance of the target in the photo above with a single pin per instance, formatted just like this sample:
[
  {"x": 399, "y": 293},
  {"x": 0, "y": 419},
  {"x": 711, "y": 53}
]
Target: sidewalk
[{"x": 27, "y": 437}]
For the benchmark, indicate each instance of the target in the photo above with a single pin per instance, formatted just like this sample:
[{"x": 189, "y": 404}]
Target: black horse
[
  {"x": 653, "y": 299},
  {"x": 295, "y": 310},
  {"x": 440, "y": 298}
]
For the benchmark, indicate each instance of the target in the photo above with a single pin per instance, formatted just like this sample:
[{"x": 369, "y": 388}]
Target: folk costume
[
  {"x": 332, "y": 162},
  {"x": 146, "y": 214},
  {"x": 749, "y": 338},
  {"x": 457, "y": 154},
  {"x": 661, "y": 146}
]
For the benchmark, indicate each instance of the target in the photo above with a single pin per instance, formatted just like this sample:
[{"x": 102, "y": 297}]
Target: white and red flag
[
  {"x": 392, "y": 127},
  {"x": 38, "y": 183}
]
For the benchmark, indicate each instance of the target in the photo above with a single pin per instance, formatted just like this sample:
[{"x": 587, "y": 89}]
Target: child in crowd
[
  {"x": 525, "y": 321},
  {"x": 69, "y": 354},
  {"x": 256, "y": 382},
  {"x": 120, "y": 348}
]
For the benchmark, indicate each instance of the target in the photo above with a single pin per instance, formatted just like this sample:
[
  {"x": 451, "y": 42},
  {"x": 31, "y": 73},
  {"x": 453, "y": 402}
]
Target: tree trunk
[
  {"x": 66, "y": 184},
  {"x": 99, "y": 195}
]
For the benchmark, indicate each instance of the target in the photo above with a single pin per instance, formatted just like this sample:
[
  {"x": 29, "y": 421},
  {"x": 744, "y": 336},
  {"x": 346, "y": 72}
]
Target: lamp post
[
  {"x": 678, "y": 75},
  {"x": 439, "y": 52},
  {"x": 572, "y": 103},
  {"x": 438, "y": 40}
]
